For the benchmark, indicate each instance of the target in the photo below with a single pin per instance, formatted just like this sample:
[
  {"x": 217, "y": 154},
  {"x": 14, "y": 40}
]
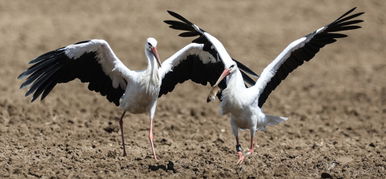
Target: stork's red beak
[
  {"x": 155, "y": 52},
  {"x": 225, "y": 73}
]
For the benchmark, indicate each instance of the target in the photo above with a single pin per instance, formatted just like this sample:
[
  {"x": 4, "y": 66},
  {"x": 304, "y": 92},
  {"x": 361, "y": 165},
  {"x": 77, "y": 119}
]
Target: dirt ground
[{"x": 336, "y": 104}]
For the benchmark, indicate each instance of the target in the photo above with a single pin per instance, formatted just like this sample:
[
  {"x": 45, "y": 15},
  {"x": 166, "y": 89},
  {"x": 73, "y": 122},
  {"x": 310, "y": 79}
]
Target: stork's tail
[{"x": 273, "y": 120}]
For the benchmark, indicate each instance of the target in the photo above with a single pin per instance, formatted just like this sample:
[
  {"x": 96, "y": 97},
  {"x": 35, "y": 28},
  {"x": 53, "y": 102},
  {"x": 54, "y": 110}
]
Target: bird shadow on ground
[{"x": 167, "y": 167}]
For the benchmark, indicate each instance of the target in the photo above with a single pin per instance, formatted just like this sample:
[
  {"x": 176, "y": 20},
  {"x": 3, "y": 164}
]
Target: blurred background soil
[{"x": 336, "y": 104}]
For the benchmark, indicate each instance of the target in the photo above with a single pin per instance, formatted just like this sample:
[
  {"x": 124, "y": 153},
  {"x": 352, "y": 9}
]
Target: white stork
[
  {"x": 94, "y": 62},
  {"x": 245, "y": 104}
]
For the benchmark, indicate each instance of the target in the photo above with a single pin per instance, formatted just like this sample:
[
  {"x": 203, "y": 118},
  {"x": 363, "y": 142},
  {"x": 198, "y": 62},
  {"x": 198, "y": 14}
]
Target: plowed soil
[{"x": 336, "y": 104}]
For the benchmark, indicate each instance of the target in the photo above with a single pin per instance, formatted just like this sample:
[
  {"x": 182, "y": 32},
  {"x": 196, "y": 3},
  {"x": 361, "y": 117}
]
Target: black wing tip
[
  {"x": 29, "y": 92},
  {"x": 188, "y": 34},
  {"x": 347, "y": 15},
  {"x": 359, "y": 21},
  {"x": 43, "y": 67},
  {"x": 183, "y": 24},
  {"x": 348, "y": 12},
  {"x": 171, "y": 12},
  {"x": 33, "y": 99},
  {"x": 178, "y": 16},
  {"x": 23, "y": 85},
  {"x": 174, "y": 14},
  {"x": 345, "y": 22},
  {"x": 22, "y": 76},
  {"x": 170, "y": 22},
  {"x": 48, "y": 55},
  {"x": 352, "y": 9},
  {"x": 38, "y": 59}
]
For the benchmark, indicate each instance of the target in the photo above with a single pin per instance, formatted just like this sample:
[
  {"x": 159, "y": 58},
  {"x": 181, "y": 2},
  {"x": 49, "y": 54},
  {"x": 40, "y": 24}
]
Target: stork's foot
[
  {"x": 241, "y": 158},
  {"x": 151, "y": 138},
  {"x": 250, "y": 152},
  {"x": 155, "y": 157}
]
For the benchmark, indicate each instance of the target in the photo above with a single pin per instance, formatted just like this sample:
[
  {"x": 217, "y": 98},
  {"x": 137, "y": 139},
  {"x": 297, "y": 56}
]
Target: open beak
[
  {"x": 225, "y": 73},
  {"x": 155, "y": 52},
  {"x": 215, "y": 89}
]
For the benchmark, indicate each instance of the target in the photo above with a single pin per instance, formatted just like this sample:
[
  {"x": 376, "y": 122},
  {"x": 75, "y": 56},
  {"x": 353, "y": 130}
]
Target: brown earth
[{"x": 336, "y": 104}]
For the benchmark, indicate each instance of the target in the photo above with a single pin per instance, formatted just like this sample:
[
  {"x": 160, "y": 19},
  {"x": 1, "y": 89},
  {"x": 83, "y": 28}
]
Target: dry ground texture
[{"x": 336, "y": 104}]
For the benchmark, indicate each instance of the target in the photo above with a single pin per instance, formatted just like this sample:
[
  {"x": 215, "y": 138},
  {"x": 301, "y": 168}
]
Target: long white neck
[
  {"x": 233, "y": 96},
  {"x": 235, "y": 81},
  {"x": 152, "y": 67}
]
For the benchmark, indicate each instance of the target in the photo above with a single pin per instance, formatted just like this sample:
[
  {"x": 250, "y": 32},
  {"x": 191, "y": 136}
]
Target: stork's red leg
[
  {"x": 251, "y": 146},
  {"x": 151, "y": 138},
  {"x": 123, "y": 139}
]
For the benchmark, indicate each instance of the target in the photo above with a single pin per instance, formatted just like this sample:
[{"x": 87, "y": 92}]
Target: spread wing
[
  {"x": 190, "y": 63},
  {"x": 301, "y": 50},
  {"x": 91, "y": 61},
  {"x": 200, "y": 61}
]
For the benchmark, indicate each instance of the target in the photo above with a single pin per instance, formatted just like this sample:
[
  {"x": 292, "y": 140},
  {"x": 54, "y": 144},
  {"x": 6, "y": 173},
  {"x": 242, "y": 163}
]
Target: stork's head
[
  {"x": 151, "y": 47},
  {"x": 229, "y": 69}
]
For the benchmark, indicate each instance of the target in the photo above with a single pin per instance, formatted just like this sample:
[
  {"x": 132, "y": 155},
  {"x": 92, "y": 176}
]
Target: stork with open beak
[{"x": 245, "y": 104}]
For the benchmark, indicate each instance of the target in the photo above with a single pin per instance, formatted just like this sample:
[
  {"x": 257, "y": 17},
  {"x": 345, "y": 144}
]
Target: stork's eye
[
  {"x": 149, "y": 44},
  {"x": 232, "y": 66}
]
